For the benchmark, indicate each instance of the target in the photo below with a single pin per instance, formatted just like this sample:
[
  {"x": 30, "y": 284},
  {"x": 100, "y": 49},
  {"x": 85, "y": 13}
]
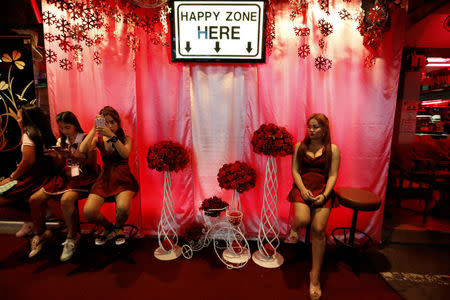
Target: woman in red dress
[
  {"x": 115, "y": 180},
  {"x": 315, "y": 167},
  {"x": 35, "y": 168},
  {"x": 77, "y": 173}
]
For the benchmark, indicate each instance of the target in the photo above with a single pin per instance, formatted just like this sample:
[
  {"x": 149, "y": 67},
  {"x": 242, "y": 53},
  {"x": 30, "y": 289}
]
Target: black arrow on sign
[
  {"x": 188, "y": 46},
  {"x": 217, "y": 47},
  {"x": 249, "y": 47}
]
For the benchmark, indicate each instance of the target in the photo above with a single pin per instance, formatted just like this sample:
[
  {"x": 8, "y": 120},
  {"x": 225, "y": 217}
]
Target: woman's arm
[
  {"x": 28, "y": 160},
  {"x": 306, "y": 194},
  {"x": 89, "y": 142},
  {"x": 123, "y": 149},
  {"x": 332, "y": 175}
]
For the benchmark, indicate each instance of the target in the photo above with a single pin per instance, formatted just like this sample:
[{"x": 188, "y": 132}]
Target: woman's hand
[
  {"x": 319, "y": 199},
  {"x": 307, "y": 195},
  {"x": 5, "y": 181},
  {"x": 105, "y": 131}
]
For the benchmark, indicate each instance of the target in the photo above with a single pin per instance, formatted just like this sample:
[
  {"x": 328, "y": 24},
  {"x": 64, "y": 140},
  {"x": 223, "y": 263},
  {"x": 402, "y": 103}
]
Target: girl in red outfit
[
  {"x": 115, "y": 180},
  {"x": 35, "y": 169},
  {"x": 315, "y": 167},
  {"x": 77, "y": 174}
]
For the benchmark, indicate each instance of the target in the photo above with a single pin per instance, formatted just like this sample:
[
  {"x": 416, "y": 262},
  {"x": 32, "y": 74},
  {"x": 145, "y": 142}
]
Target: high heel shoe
[{"x": 315, "y": 293}]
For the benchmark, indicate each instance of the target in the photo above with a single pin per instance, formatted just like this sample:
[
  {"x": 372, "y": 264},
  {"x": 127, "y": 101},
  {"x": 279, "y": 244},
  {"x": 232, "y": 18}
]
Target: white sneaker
[
  {"x": 36, "y": 246},
  {"x": 70, "y": 246},
  {"x": 26, "y": 229},
  {"x": 104, "y": 237}
]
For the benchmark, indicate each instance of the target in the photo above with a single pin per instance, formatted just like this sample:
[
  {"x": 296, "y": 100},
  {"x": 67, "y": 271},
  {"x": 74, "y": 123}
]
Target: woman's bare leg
[{"x": 318, "y": 241}]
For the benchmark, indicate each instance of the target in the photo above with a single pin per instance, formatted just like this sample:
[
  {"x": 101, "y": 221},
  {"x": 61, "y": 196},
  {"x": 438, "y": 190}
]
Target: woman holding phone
[
  {"x": 115, "y": 180},
  {"x": 77, "y": 173}
]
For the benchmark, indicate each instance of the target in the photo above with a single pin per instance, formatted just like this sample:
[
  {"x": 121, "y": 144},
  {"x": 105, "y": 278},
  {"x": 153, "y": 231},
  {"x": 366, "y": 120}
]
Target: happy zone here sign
[{"x": 223, "y": 31}]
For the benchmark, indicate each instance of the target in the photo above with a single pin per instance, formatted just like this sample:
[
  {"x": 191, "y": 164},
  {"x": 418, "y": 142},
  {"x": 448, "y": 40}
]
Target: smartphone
[
  {"x": 100, "y": 122},
  {"x": 57, "y": 148}
]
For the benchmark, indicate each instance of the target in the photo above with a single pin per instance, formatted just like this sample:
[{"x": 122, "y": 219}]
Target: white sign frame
[{"x": 218, "y": 31}]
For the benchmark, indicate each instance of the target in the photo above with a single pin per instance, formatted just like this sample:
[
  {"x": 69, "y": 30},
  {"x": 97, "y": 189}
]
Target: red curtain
[{"x": 213, "y": 109}]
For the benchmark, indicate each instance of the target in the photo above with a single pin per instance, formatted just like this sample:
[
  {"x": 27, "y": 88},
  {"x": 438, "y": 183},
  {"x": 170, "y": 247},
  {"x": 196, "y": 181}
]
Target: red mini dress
[
  {"x": 115, "y": 176},
  {"x": 65, "y": 181},
  {"x": 314, "y": 177}
]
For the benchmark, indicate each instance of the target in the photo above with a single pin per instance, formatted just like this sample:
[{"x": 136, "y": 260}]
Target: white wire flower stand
[
  {"x": 269, "y": 228},
  {"x": 167, "y": 227},
  {"x": 228, "y": 240}
]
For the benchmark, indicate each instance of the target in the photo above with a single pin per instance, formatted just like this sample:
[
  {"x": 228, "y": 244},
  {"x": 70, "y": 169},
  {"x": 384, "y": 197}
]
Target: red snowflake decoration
[
  {"x": 114, "y": 13},
  {"x": 91, "y": 21},
  {"x": 80, "y": 67},
  {"x": 130, "y": 18},
  {"x": 348, "y": 1},
  {"x": 322, "y": 63},
  {"x": 97, "y": 58},
  {"x": 78, "y": 33},
  {"x": 325, "y": 27},
  {"x": 377, "y": 14},
  {"x": 78, "y": 10},
  {"x": 133, "y": 41},
  {"x": 48, "y": 18},
  {"x": 77, "y": 53},
  {"x": 62, "y": 4},
  {"x": 50, "y": 56},
  {"x": 322, "y": 43},
  {"x": 50, "y": 37},
  {"x": 304, "y": 50},
  {"x": 324, "y": 5},
  {"x": 297, "y": 7},
  {"x": 369, "y": 61},
  {"x": 269, "y": 32},
  {"x": 63, "y": 25},
  {"x": 146, "y": 24},
  {"x": 301, "y": 31},
  {"x": 344, "y": 14},
  {"x": 65, "y": 64},
  {"x": 88, "y": 42},
  {"x": 98, "y": 39},
  {"x": 64, "y": 42}
]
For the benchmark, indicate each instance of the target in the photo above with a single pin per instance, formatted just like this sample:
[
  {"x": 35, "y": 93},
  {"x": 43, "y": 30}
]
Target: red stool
[{"x": 358, "y": 200}]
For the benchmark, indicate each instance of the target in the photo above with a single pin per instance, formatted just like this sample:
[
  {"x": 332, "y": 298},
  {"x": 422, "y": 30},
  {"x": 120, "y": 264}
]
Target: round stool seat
[{"x": 358, "y": 199}]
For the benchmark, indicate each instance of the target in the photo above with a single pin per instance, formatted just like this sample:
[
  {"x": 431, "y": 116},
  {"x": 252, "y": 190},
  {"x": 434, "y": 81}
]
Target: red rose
[
  {"x": 167, "y": 244},
  {"x": 237, "y": 246},
  {"x": 270, "y": 139},
  {"x": 269, "y": 249},
  {"x": 167, "y": 156}
]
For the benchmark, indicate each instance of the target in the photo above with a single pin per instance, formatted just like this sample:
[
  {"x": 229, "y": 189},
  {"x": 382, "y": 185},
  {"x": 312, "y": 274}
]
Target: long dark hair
[
  {"x": 36, "y": 124},
  {"x": 109, "y": 111},
  {"x": 69, "y": 118},
  {"x": 326, "y": 140}
]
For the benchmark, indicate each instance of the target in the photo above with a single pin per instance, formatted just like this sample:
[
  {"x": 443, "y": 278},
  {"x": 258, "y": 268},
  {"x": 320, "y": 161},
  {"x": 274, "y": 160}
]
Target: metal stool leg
[{"x": 353, "y": 227}]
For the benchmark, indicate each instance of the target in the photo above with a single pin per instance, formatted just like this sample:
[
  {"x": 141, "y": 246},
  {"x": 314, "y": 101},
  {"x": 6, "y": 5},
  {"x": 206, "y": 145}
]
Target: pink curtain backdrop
[{"x": 213, "y": 109}]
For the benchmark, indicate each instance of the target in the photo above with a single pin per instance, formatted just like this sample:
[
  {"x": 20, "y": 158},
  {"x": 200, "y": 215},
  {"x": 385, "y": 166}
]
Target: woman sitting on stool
[
  {"x": 115, "y": 179},
  {"x": 35, "y": 168},
  {"x": 315, "y": 166},
  {"x": 77, "y": 174}
]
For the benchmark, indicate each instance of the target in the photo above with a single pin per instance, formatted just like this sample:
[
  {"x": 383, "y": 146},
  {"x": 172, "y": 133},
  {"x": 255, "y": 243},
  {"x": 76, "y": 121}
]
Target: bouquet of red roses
[
  {"x": 213, "y": 206},
  {"x": 194, "y": 231},
  {"x": 167, "y": 156},
  {"x": 237, "y": 176},
  {"x": 271, "y": 139}
]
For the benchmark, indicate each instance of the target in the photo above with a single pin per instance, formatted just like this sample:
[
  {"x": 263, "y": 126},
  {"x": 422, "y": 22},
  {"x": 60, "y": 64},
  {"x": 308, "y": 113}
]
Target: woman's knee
[
  {"x": 318, "y": 231},
  {"x": 90, "y": 213},
  {"x": 68, "y": 202},
  {"x": 37, "y": 199}
]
